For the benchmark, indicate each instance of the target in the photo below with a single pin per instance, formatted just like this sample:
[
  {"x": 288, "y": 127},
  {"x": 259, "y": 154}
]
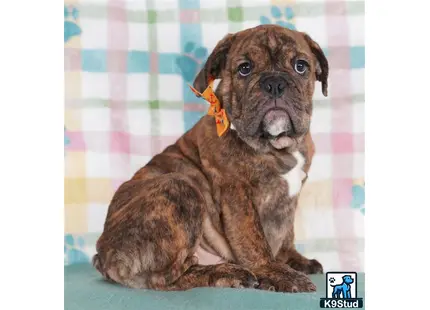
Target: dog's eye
[
  {"x": 244, "y": 69},
  {"x": 301, "y": 66}
]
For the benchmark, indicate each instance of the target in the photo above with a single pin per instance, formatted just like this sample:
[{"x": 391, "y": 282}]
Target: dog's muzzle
[{"x": 277, "y": 127}]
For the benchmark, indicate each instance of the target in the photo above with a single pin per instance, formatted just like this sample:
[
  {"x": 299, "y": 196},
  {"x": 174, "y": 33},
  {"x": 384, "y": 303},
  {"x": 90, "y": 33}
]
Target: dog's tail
[{"x": 333, "y": 285}]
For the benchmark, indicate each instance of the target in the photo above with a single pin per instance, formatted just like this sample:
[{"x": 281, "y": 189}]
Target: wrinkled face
[{"x": 268, "y": 78}]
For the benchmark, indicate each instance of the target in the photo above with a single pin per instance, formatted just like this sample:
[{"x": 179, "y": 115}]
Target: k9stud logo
[{"x": 341, "y": 291}]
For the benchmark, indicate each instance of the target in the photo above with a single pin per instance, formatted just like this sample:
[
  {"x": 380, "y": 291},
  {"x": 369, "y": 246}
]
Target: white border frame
[
  {"x": 397, "y": 155},
  {"x": 32, "y": 157}
]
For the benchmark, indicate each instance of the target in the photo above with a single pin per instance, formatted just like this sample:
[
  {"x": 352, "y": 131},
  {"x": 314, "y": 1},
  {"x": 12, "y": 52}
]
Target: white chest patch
[{"x": 295, "y": 176}]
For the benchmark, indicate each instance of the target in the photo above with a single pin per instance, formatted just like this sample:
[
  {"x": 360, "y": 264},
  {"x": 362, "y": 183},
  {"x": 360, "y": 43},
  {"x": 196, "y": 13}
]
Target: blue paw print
[
  {"x": 358, "y": 198},
  {"x": 280, "y": 18},
  {"x": 74, "y": 250},
  {"x": 189, "y": 63},
  {"x": 71, "y": 29}
]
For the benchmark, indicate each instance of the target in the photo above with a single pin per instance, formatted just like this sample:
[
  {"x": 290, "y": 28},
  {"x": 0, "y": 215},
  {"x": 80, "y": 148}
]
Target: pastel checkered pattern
[{"x": 127, "y": 66}]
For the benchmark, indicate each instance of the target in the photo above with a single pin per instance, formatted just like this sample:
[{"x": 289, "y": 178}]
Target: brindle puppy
[{"x": 234, "y": 195}]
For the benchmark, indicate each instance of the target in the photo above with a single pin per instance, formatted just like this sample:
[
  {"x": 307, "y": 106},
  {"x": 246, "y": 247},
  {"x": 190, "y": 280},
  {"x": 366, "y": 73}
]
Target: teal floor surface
[{"x": 84, "y": 289}]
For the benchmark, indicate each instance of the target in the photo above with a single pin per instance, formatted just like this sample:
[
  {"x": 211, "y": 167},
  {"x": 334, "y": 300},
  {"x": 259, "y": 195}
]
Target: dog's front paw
[
  {"x": 266, "y": 284},
  {"x": 296, "y": 282},
  {"x": 231, "y": 275},
  {"x": 284, "y": 279},
  {"x": 311, "y": 266}
]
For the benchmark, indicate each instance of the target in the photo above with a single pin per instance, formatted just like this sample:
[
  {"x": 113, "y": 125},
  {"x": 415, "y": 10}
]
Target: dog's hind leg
[
  {"x": 151, "y": 231},
  {"x": 150, "y": 238},
  {"x": 124, "y": 270}
]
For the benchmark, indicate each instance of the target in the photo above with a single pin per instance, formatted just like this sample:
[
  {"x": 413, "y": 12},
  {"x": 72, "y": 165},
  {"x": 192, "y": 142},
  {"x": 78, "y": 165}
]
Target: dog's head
[
  {"x": 347, "y": 279},
  {"x": 268, "y": 76}
]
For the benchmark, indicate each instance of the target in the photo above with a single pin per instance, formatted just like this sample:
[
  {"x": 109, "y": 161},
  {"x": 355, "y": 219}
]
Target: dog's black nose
[{"x": 273, "y": 85}]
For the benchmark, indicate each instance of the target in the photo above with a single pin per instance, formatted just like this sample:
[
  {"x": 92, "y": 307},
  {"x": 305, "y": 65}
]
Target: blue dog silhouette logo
[{"x": 341, "y": 291}]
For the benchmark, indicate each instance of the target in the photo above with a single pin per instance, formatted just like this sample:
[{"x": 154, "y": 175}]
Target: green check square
[
  {"x": 235, "y": 14},
  {"x": 154, "y": 105},
  {"x": 152, "y": 17}
]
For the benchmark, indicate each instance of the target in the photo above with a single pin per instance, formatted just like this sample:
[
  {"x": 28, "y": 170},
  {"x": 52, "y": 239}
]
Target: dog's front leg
[
  {"x": 289, "y": 255},
  {"x": 245, "y": 234}
]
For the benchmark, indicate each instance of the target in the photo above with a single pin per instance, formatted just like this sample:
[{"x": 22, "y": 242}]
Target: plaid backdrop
[{"x": 127, "y": 65}]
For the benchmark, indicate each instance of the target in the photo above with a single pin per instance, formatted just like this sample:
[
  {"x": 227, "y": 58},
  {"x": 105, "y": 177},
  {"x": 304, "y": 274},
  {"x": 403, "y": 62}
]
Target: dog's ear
[
  {"x": 322, "y": 63},
  {"x": 214, "y": 64}
]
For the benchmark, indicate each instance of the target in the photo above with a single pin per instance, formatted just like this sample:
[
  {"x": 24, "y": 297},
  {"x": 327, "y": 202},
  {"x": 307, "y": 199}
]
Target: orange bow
[{"x": 221, "y": 120}]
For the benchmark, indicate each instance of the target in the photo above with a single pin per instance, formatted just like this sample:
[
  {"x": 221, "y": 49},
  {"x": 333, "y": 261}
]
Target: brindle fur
[{"x": 230, "y": 183}]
